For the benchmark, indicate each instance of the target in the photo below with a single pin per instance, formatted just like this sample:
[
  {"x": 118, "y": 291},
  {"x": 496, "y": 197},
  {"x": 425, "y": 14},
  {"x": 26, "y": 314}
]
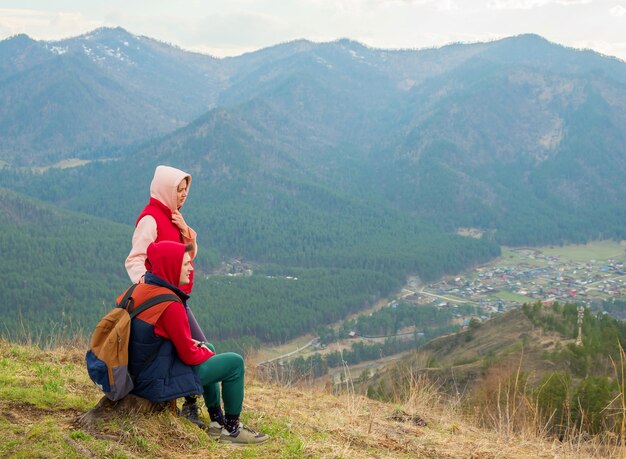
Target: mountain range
[
  {"x": 326, "y": 155},
  {"x": 521, "y": 136}
]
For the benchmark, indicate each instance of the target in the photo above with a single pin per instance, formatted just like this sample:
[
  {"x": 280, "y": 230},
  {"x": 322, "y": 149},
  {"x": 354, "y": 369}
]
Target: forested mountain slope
[
  {"x": 518, "y": 136},
  {"x": 344, "y": 254},
  {"x": 326, "y": 156},
  {"x": 59, "y": 269},
  {"x": 94, "y": 94}
]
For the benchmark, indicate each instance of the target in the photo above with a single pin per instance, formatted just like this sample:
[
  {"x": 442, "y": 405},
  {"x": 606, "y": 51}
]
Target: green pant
[{"x": 228, "y": 369}]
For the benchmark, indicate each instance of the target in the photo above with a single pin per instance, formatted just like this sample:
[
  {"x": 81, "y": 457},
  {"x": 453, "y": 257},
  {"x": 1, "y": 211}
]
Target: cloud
[
  {"x": 356, "y": 6},
  {"x": 231, "y": 27},
  {"x": 18, "y": 21},
  {"x": 531, "y": 4},
  {"x": 240, "y": 28},
  {"x": 608, "y": 48},
  {"x": 44, "y": 24},
  {"x": 617, "y": 11}
]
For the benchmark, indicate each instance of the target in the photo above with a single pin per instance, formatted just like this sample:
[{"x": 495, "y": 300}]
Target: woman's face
[{"x": 181, "y": 193}]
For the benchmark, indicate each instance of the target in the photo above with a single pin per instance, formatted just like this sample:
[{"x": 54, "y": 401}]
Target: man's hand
[
  {"x": 179, "y": 221},
  {"x": 199, "y": 343}
]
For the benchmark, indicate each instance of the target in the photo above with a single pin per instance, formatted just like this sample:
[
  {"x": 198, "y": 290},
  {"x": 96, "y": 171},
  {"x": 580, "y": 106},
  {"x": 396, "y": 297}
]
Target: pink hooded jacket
[{"x": 164, "y": 189}]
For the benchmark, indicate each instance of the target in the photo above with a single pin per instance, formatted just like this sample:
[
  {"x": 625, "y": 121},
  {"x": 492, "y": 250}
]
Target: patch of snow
[
  {"x": 94, "y": 57},
  {"x": 406, "y": 84},
  {"x": 58, "y": 49},
  {"x": 117, "y": 54},
  {"x": 323, "y": 61},
  {"x": 355, "y": 54}
]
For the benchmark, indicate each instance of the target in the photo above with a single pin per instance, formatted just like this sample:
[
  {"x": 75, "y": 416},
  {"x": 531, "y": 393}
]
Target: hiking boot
[
  {"x": 243, "y": 436},
  {"x": 191, "y": 413},
  {"x": 214, "y": 430}
]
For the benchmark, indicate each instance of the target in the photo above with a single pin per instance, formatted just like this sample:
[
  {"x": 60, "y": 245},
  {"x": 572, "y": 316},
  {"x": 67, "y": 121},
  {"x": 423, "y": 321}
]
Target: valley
[
  {"x": 583, "y": 274},
  {"x": 579, "y": 273},
  {"x": 352, "y": 205},
  {"x": 317, "y": 162}
]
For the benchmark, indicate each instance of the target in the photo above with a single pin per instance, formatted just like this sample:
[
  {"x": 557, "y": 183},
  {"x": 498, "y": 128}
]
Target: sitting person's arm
[{"x": 173, "y": 325}]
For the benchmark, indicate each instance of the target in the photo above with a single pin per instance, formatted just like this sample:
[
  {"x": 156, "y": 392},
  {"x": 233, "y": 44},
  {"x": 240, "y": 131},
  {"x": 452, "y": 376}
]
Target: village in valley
[
  {"x": 581, "y": 274},
  {"x": 584, "y": 275}
]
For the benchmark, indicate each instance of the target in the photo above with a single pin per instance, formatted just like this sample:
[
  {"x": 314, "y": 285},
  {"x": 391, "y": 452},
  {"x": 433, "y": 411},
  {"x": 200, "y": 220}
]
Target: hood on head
[
  {"x": 165, "y": 259},
  {"x": 165, "y": 183}
]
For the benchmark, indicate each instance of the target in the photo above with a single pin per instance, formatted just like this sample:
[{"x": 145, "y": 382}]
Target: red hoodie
[{"x": 166, "y": 260}]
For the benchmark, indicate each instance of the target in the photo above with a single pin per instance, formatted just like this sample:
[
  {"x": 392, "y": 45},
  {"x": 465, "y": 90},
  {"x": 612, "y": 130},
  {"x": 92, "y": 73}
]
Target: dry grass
[
  {"x": 354, "y": 426},
  {"x": 37, "y": 420},
  {"x": 351, "y": 425}
]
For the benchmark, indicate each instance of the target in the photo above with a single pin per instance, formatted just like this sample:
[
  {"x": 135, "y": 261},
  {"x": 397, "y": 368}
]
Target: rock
[{"x": 129, "y": 406}]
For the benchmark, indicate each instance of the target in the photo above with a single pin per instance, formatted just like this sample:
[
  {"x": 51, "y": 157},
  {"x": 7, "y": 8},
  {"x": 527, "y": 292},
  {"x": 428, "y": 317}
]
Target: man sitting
[{"x": 166, "y": 363}]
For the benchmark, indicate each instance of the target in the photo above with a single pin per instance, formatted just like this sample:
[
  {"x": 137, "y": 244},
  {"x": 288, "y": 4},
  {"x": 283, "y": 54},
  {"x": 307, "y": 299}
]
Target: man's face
[{"x": 185, "y": 270}]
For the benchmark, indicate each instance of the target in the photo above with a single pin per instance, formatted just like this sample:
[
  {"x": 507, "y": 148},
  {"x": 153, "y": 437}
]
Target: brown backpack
[{"x": 107, "y": 357}]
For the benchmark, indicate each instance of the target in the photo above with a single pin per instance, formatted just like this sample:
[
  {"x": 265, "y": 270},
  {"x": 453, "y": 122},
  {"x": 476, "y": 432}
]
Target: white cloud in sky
[
  {"x": 44, "y": 24},
  {"x": 530, "y": 4},
  {"x": 618, "y": 11},
  {"x": 573, "y": 2},
  {"x": 232, "y": 27}
]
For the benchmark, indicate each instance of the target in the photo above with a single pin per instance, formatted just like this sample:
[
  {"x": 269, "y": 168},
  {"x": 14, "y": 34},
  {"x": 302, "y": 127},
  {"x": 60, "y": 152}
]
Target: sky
[{"x": 233, "y": 27}]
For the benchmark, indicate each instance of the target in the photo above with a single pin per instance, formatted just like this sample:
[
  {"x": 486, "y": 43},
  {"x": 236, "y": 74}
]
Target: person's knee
[
  {"x": 210, "y": 346},
  {"x": 237, "y": 362}
]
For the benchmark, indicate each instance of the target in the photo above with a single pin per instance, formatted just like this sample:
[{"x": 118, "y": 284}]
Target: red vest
[{"x": 166, "y": 230}]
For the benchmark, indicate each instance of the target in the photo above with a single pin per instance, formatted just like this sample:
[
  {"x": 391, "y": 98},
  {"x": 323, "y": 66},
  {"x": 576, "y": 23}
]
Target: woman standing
[{"x": 161, "y": 220}]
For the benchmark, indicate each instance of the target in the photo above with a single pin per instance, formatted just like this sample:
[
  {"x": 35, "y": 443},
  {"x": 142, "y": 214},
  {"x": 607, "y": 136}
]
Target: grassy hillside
[
  {"x": 42, "y": 392},
  {"x": 524, "y": 368}
]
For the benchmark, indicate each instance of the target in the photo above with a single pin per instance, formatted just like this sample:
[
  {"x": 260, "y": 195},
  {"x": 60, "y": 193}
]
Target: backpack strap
[
  {"x": 146, "y": 305},
  {"x": 124, "y": 303},
  {"x": 153, "y": 302}
]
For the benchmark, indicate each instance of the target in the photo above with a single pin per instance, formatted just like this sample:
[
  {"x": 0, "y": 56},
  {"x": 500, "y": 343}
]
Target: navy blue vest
[{"x": 153, "y": 363}]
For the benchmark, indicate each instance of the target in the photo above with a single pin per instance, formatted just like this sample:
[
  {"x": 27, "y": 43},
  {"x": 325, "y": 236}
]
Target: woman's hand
[{"x": 179, "y": 221}]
